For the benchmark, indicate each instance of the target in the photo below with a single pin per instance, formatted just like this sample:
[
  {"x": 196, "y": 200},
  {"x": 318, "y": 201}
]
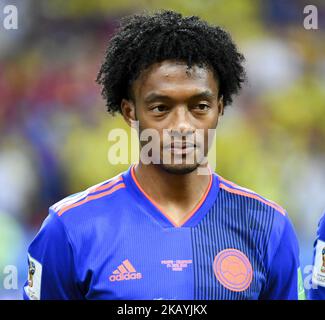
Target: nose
[{"x": 181, "y": 122}]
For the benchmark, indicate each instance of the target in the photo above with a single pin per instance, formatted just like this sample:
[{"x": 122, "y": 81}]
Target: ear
[
  {"x": 221, "y": 106},
  {"x": 128, "y": 111}
]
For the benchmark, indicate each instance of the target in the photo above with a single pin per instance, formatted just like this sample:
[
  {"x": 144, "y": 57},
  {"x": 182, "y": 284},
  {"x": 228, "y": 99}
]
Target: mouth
[{"x": 181, "y": 148}]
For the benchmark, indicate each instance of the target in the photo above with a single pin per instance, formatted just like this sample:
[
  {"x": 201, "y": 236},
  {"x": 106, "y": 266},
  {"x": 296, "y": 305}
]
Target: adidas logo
[{"x": 125, "y": 271}]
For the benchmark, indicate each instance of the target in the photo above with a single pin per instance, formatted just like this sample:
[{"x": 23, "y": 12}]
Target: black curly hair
[{"x": 144, "y": 39}]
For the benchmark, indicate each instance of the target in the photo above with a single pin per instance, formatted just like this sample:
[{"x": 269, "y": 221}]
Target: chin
[{"x": 179, "y": 169}]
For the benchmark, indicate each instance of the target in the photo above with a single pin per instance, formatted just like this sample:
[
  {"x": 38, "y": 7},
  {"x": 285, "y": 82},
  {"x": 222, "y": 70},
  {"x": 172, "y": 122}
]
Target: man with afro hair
[{"x": 168, "y": 227}]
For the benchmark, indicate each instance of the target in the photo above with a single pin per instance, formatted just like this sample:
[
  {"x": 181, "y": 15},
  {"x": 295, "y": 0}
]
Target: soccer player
[
  {"x": 318, "y": 278},
  {"x": 163, "y": 230}
]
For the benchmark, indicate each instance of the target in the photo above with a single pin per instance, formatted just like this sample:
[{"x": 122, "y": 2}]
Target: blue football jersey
[
  {"x": 112, "y": 241},
  {"x": 317, "y": 292}
]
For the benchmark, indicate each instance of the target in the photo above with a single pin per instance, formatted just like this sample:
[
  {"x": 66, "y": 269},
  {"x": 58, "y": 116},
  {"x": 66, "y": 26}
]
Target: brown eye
[
  {"x": 202, "y": 107},
  {"x": 159, "y": 109}
]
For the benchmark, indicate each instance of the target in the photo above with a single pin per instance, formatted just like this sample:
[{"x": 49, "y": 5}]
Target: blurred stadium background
[{"x": 53, "y": 124}]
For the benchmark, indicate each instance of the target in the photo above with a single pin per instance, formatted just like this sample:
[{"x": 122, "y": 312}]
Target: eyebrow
[{"x": 201, "y": 95}]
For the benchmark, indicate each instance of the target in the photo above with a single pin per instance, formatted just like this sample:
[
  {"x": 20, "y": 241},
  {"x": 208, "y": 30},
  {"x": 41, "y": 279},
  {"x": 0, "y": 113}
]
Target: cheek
[
  {"x": 208, "y": 122},
  {"x": 214, "y": 122},
  {"x": 214, "y": 118},
  {"x": 149, "y": 132},
  {"x": 210, "y": 130},
  {"x": 154, "y": 125}
]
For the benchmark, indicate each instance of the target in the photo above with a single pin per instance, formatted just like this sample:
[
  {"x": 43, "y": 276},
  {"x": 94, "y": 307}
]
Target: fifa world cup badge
[
  {"x": 323, "y": 266},
  {"x": 31, "y": 272},
  {"x": 33, "y": 286}
]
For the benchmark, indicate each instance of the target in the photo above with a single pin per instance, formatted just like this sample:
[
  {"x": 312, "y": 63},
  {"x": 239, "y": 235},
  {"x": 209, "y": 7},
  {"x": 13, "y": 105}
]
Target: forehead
[{"x": 175, "y": 77}]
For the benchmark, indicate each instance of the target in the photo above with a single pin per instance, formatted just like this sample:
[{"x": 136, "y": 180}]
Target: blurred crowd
[{"x": 53, "y": 124}]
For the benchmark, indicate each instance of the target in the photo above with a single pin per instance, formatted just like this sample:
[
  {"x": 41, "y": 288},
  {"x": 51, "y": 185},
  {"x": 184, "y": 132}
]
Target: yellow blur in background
[{"x": 54, "y": 126}]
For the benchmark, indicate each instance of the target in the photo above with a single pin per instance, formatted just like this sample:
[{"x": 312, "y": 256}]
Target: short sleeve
[
  {"x": 51, "y": 269},
  {"x": 284, "y": 280}
]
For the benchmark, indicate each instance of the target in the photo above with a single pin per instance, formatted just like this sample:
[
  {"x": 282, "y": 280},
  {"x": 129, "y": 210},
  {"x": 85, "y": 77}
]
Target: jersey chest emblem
[{"x": 233, "y": 270}]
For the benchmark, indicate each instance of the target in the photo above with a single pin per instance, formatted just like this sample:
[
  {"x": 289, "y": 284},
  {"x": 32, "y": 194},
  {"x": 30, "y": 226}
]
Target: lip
[
  {"x": 181, "y": 145},
  {"x": 181, "y": 149}
]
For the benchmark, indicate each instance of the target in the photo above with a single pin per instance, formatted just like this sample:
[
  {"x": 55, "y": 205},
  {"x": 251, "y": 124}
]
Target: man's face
[{"x": 176, "y": 101}]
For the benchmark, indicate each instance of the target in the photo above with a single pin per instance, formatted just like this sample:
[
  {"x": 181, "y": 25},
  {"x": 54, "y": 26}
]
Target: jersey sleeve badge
[
  {"x": 33, "y": 287},
  {"x": 319, "y": 266}
]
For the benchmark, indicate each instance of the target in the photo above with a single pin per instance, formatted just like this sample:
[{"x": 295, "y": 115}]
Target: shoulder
[
  {"x": 90, "y": 200},
  {"x": 263, "y": 215},
  {"x": 269, "y": 223},
  {"x": 249, "y": 197}
]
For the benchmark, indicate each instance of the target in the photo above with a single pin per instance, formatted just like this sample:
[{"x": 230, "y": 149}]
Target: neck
[{"x": 164, "y": 187}]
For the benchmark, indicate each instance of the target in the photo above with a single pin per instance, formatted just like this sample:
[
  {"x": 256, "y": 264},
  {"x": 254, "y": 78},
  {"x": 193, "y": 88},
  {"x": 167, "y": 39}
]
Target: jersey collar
[{"x": 150, "y": 206}]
